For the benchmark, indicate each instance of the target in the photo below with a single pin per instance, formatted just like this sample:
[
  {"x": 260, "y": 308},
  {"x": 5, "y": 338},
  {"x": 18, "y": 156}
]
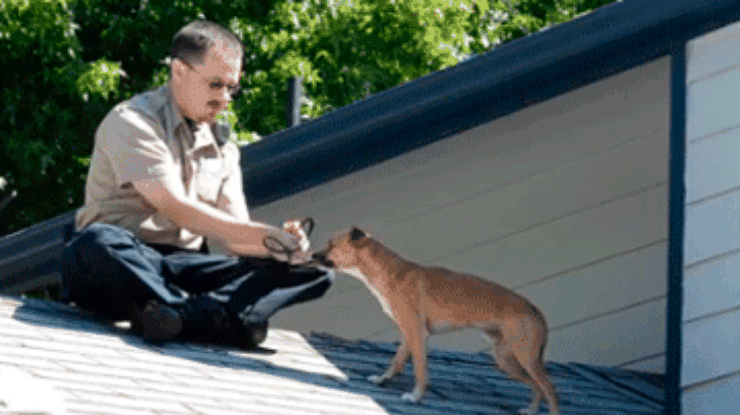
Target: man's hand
[
  {"x": 278, "y": 243},
  {"x": 301, "y": 229}
]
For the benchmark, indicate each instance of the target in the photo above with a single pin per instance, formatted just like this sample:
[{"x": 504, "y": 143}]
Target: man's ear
[
  {"x": 177, "y": 68},
  {"x": 356, "y": 234}
]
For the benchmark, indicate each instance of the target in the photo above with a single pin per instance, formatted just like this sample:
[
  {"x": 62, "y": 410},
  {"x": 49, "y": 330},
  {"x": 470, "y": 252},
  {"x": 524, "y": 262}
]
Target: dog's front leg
[
  {"x": 396, "y": 367},
  {"x": 416, "y": 339}
]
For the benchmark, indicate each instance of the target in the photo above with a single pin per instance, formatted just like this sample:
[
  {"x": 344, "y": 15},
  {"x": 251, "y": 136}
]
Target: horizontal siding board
[
  {"x": 614, "y": 339},
  {"x": 395, "y": 210},
  {"x": 508, "y": 150},
  {"x": 651, "y": 365},
  {"x": 540, "y": 199},
  {"x": 712, "y": 287},
  {"x": 576, "y": 240},
  {"x": 710, "y": 348},
  {"x": 352, "y": 315},
  {"x": 609, "y": 285},
  {"x": 714, "y": 52},
  {"x": 712, "y": 228},
  {"x": 422, "y": 241},
  {"x": 719, "y": 397},
  {"x": 402, "y": 198},
  {"x": 712, "y": 105},
  {"x": 603, "y": 287},
  {"x": 712, "y": 165}
]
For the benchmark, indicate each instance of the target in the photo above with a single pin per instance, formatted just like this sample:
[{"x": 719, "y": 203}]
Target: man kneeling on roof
[{"x": 163, "y": 179}]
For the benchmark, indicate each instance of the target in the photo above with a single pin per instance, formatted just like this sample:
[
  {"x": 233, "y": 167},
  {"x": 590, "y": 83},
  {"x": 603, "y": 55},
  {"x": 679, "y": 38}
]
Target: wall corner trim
[{"x": 676, "y": 223}]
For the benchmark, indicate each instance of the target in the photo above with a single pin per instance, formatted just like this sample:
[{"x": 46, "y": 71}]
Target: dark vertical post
[
  {"x": 295, "y": 92},
  {"x": 8, "y": 199},
  {"x": 676, "y": 212}
]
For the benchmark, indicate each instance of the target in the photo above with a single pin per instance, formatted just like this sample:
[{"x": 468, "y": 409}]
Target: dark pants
[{"x": 106, "y": 269}]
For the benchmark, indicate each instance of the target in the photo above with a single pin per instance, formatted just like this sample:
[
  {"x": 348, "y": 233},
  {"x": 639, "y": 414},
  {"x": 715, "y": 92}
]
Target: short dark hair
[{"x": 194, "y": 40}]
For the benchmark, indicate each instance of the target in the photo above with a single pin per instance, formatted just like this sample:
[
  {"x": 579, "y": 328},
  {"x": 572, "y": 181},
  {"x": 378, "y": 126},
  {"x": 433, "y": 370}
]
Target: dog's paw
[
  {"x": 410, "y": 397},
  {"x": 527, "y": 411},
  {"x": 376, "y": 379}
]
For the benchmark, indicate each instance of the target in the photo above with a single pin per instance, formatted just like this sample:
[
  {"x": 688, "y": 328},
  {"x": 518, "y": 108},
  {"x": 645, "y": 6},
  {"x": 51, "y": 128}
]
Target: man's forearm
[
  {"x": 215, "y": 224},
  {"x": 241, "y": 236}
]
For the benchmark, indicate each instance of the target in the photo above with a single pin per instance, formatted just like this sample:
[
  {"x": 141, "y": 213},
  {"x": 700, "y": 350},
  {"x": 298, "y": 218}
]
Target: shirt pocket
[{"x": 210, "y": 179}]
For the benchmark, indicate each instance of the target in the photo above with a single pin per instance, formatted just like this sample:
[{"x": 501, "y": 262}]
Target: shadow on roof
[{"x": 295, "y": 371}]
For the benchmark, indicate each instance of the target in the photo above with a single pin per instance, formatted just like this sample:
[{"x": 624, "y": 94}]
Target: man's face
[{"x": 202, "y": 91}]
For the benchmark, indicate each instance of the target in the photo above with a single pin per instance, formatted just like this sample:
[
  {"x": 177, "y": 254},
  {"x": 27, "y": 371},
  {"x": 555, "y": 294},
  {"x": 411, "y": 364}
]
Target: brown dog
[{"x": 424, "y": 301}]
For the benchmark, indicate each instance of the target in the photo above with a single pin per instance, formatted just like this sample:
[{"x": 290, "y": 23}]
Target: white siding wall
[
  {"x": 711, "y": 365},
  {"x": 565, "y": 202}
]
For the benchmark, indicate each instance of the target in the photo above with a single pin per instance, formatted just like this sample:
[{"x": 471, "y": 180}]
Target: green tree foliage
[
  {"x": 50, "y": 99},
  {"x": 67, "y": 62},
  {"x": 507, "y": 20}
]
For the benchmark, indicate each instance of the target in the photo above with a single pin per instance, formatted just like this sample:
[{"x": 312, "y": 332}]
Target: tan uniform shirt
[{"x": 147, "y": 137}]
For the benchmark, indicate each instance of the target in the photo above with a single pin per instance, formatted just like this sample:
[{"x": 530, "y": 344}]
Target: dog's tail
[{"x": 541, "y": 323}]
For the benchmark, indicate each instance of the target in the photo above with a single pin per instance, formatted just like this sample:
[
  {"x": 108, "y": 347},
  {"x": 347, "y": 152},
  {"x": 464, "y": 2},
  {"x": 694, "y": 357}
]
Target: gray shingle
[{"x": 102, "y": 369}]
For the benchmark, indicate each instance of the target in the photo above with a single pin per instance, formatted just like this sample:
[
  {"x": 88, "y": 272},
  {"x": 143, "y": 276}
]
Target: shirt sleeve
[{"x": 135, "y": 146}]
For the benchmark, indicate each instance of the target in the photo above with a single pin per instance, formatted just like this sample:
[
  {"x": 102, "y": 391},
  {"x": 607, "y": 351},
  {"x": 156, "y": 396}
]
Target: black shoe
[
  {"x": 156, "y": 322},
  {"x": 248, "y": 335},
  {"x": 205, "y": 320}
]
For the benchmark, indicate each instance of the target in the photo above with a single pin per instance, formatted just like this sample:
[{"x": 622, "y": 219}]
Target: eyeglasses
[{"x": 217, "y": 85}]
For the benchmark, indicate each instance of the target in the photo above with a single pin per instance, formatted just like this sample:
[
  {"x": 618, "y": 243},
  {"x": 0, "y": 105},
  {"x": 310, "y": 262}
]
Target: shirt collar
[{"x": 173, "y": 115}]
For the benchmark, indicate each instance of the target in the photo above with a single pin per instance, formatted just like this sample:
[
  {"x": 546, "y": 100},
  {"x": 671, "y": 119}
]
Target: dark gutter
[{"x": 29, "y": 258}]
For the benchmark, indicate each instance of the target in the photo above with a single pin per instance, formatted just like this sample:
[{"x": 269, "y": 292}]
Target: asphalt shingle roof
[{"x": 68, "y": 355}]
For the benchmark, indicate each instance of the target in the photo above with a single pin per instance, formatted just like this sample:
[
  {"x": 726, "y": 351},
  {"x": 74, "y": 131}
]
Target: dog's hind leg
[
  {"x": 531, "y": 361},
  {"x": 515, "y": 370},
  {"x": 507, "y": 361}
]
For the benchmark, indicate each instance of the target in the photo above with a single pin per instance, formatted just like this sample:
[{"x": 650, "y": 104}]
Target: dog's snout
[{"x": 321, "y": 258}]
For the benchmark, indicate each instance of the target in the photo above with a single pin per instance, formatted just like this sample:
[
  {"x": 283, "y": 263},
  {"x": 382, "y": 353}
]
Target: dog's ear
[{"x": 356, "y": 234}]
